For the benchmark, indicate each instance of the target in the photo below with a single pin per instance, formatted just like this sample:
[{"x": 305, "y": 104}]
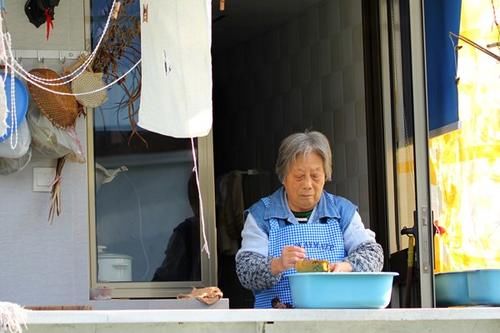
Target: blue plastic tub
[
  {"x": 356, "y": 290},
  {"x": 452, "y": 289},
  {"x": 484, "y": 286}
]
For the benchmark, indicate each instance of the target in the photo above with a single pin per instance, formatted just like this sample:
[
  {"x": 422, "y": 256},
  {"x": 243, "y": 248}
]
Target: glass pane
[
  {"x": 402, "y": 119},
  {"x": 146, "y": 203},
  {"x": 403, "y": 150},
  {"x": 465, "y": 163},
  {"x": 146, "y": 210}
]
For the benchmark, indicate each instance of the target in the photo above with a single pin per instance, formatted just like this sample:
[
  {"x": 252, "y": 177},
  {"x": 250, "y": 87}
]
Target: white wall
[
  {"x": 42, "y": 263},
  {"x": 307, "y": 73}
]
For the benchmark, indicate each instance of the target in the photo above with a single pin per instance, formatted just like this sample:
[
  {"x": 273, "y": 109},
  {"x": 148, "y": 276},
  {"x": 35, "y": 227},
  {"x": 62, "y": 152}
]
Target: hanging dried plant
[
  {"x": 120, "y": 49},
  {"x": 55, "y": 207}
]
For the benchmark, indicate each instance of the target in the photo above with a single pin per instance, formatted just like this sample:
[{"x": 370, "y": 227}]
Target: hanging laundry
[
  {"x": 176, "y": 96},
  {"x": 40, "y": 12}
]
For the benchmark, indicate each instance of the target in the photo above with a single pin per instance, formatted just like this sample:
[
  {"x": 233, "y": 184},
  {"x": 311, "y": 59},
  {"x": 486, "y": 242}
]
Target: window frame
[{"x": 159, "y": 289}]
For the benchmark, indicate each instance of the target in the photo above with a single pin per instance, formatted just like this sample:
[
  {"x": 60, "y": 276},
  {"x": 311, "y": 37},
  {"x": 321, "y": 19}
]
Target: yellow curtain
[{"x": 465, "y": 164}]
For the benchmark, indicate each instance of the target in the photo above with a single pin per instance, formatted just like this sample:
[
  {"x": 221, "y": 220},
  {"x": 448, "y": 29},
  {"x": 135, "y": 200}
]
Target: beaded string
[
  {"x": 73, "y": 75},
  {"x": 12, "y": 66}
]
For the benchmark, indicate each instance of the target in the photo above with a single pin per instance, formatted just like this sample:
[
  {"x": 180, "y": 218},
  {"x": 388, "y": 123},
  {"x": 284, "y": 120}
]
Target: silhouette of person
[{"x": 182, "y": 255}]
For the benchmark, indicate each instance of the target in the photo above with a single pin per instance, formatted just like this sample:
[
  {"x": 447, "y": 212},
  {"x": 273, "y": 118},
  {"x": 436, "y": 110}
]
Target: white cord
[
  {"x": 77, "y": 94},
  {"x": 76, "y": 73},
  {"x": 141, "y": 232},
  {"x": 11, "y": 63},
  {"x": 195, "y": 169}
]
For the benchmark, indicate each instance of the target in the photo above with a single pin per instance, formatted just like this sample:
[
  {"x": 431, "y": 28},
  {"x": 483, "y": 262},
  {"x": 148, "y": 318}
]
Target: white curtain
[{"x": 176, "y": 94}]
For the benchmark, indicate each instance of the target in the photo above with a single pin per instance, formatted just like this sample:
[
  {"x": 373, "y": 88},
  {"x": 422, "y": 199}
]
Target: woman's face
[{"x": 304, "y": 182}]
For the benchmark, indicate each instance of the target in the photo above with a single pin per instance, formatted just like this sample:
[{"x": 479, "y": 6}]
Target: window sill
[{"x": 151, "y": 304}]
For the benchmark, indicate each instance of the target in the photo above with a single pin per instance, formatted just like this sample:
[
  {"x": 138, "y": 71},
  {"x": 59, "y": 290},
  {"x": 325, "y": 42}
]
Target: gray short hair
[{"x": 303, "y": 143}]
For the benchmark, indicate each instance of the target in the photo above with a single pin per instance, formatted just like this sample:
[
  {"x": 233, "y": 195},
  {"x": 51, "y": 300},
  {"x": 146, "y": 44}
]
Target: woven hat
[
  {"x": 89, "y": 81},
  {"x": 61, "y": 110}
]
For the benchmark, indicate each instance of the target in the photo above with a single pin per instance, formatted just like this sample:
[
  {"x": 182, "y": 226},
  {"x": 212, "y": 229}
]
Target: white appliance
[{"x": 113, "y": 267}]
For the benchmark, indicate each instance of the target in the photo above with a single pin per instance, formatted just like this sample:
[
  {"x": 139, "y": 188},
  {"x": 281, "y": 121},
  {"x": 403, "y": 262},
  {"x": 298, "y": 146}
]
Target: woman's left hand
[{"x": 342, "y": 266}]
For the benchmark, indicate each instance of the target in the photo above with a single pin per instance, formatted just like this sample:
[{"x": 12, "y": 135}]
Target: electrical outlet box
[{"x": 43, "y": 178}]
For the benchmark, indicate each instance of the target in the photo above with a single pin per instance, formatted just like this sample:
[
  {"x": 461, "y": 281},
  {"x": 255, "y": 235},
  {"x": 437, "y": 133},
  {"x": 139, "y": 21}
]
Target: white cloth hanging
[{"x": 176, "y": 92}]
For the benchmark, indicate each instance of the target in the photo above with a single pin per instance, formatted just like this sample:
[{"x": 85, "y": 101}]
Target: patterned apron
[{"x": 322, "y": 241}]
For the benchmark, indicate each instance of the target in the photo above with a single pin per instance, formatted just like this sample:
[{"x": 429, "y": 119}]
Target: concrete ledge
[{"x": 264, "y": 316}]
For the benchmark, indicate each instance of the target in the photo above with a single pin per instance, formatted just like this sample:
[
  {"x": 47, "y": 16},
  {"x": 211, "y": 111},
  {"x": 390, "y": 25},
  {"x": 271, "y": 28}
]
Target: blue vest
[{"x": 322, "y": 236}]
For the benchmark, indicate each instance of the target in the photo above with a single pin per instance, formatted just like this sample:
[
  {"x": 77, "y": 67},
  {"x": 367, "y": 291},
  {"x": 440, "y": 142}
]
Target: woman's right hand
[{"x": 290, "y": 255}]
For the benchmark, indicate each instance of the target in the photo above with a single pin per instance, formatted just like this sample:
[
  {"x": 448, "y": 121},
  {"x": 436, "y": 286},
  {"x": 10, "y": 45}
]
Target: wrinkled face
[{"x": 304, "y": 182}]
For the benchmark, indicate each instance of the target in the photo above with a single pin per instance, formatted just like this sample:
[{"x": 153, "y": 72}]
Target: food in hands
[{"x": 312, "y": 265}]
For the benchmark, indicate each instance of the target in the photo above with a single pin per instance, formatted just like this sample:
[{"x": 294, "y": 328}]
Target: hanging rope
[
  {"x": 70, "y": 76},
  {"x": 8, "y": 59},
  {"x": 202, "y": 218}
]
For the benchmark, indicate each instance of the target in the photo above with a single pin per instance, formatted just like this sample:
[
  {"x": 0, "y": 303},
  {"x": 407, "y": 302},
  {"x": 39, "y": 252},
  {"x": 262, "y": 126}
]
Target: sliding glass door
[{"x": 406, "y": 139}]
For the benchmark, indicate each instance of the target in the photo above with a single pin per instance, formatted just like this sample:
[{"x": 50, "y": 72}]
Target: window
[{"x": 144, "y": 225}]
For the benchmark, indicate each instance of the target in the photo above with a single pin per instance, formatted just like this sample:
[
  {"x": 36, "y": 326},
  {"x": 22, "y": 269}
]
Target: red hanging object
[{"x": 49, "y": 21}]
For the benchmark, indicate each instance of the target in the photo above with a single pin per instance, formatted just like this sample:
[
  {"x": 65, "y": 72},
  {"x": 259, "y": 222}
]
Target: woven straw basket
[
  {"x": 89, "y": 81},
  {"x": 61, "y": 110}
]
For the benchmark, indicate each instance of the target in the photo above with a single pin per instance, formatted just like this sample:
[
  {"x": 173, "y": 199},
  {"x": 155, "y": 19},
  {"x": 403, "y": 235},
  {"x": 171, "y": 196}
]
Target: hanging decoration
[
  {"x": 16, "y": 99},
  {"x": 50, "y": 91},
  {"x": 3, "y": 110},
  {"x": 88, "y": 81},
  {"x": 55, "y": 192},
  {"x": 61, "y": 110},
  {"x": 40, "y": 12},
  {"x": 121, "y": 48}
]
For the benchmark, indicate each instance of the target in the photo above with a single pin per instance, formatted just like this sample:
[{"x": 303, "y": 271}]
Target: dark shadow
[{"x": 182, "y": 255}]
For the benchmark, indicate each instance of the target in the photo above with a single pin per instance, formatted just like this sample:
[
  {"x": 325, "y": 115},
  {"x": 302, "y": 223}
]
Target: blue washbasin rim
[{"x": 345, "y": 273}]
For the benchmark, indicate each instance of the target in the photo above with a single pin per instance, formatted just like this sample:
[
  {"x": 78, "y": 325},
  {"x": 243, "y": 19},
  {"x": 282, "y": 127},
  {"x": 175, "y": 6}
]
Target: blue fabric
[
  {"x": 441, "y": 18},
  {"x": 275, "y": 206},
  {"x": 321, "y": 241},
  {"x": 322, "y": 236}
]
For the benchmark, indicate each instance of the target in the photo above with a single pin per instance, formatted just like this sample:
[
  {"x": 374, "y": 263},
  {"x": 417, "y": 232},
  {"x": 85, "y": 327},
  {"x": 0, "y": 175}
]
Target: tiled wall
[{"x": 305, "y": 74}]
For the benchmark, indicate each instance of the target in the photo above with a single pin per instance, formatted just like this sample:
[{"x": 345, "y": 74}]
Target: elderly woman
[{"x": 300, "y": 220}]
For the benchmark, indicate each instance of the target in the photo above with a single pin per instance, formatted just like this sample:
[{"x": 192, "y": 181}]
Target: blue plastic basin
[
  {"x": 452, "y": 289},
  {"x": 356, "y": 290},
  {"x": 484, "y": 286}
]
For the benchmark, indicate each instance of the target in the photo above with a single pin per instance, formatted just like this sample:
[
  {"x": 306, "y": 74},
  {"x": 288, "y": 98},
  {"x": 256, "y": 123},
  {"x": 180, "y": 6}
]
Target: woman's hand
[
  {"x": 342, "y": 266},
  {"x": 289, "y": 256}
]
